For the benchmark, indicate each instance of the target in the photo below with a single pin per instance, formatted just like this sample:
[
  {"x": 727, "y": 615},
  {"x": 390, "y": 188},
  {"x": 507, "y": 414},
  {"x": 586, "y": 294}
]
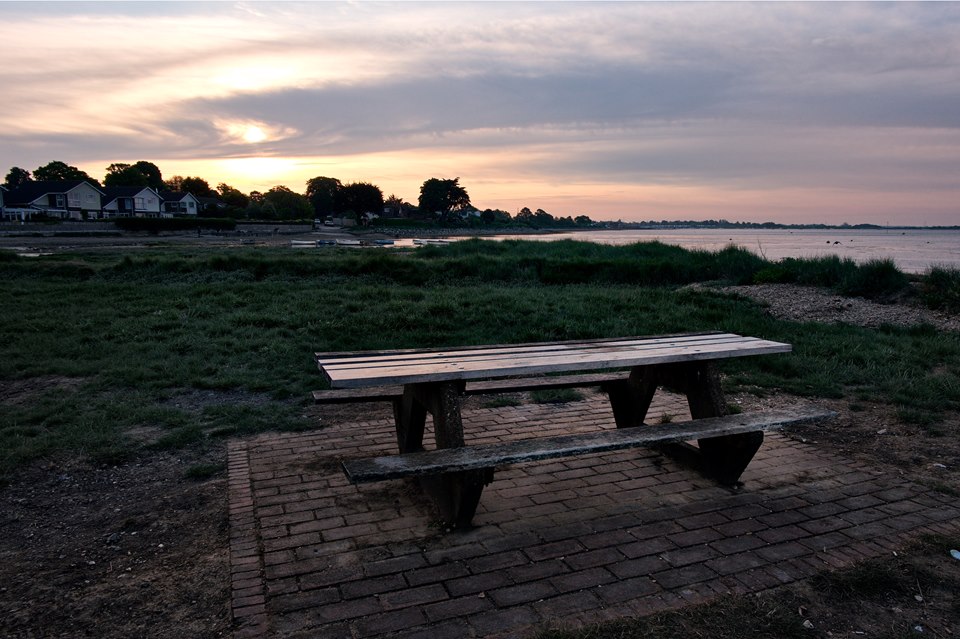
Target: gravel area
[{"x": 808, "y": 304}]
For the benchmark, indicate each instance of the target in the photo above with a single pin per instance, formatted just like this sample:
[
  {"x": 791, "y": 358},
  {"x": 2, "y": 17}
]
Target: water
[{"x": 913, "y": 251}]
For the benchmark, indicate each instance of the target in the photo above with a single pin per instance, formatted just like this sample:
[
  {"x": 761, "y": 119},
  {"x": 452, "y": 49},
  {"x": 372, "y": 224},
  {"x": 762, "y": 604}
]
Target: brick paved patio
[{"x": 561, "y": 542}]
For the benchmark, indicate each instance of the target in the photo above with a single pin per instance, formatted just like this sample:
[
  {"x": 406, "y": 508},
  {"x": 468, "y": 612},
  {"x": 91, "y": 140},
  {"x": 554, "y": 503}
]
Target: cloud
[{"x": 735, "y": 96}]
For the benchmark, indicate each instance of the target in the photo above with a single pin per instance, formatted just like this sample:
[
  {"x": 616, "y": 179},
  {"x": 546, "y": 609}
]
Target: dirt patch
[
  {"x": 133, "y": 551},
  {"x": 20, "y": 392}
]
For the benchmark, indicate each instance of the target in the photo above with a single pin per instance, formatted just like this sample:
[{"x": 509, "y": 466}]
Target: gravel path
[{"x": 808, "y": 304}]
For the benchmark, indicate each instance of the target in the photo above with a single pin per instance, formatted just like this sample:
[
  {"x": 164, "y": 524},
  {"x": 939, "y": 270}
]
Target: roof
[
  {"x": 31, "y": 191},
  {"x": 175, "y": 196},
  {"x": 115, "y": 192},
  {"x": 125, "y": 191}
]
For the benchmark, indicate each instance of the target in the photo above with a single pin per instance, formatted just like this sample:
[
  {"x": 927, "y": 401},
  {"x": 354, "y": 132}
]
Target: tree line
[{"x": 444, "y": 201}]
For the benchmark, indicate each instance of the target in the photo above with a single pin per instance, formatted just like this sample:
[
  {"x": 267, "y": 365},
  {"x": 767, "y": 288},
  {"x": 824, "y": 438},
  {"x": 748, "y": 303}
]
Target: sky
[{"x": 785, "y": 112}]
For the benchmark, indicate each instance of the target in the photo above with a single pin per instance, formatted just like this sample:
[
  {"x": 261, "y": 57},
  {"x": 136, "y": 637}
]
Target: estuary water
[{"x": 913, "y": 251}]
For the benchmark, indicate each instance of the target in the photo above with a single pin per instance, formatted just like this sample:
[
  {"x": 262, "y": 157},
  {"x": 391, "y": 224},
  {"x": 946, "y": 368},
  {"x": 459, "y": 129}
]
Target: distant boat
[
  {"x": 431, "y": 241},
  {"x": 383, "y": 242},
  {"x": 341, "y": 242},
  {"x": 303, "y": 243}
]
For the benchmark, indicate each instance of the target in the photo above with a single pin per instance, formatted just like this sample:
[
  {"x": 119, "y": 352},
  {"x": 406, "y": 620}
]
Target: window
[
  {"x": 139, "y": 203},
  {"x": 59, "y": 200},
  {"x": 74, "y": 199},
  {"x": 190, "y": 205}
]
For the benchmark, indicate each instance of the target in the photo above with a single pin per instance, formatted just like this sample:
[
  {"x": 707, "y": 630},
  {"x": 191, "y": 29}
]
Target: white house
[
  {"x": 64, "y": 199},
  {"x": 131, "y": 201},
  {"x": 177, "y": 203}
]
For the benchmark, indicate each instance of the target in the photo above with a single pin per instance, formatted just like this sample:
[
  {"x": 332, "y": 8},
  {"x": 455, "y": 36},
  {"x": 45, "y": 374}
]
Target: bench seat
[
  {"x": 393, "y": 393},
  {"x": 483, "y": 456}
]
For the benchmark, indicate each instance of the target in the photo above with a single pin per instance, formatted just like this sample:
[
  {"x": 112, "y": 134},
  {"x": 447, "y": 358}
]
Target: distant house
[
  {"x": 177, "y": 203},
  {"x": 131, "y": 201},
  {"x": 62, "y": 199}
]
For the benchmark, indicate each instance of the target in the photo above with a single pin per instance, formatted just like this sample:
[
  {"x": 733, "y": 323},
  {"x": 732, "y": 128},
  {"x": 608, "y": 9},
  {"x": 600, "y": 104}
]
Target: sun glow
[{"x": 254, "y": 134}]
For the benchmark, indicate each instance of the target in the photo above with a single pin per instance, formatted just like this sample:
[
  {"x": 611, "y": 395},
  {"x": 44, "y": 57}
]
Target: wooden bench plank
[
  {"x": 480, "y": 387},
  {"x": 343, "y": 375},
  {"x": 360, "y": 358},
  {"x": 492, "y": 455}
]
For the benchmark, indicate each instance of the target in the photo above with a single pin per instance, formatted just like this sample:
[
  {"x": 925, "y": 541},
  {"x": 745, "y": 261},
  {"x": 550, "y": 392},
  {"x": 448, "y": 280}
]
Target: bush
[
  {"x": 876, "y": 279},
  {"x": 941, "y": 289}
]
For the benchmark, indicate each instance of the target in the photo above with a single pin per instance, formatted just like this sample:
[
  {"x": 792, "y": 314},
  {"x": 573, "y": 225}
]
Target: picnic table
[{"x": 629, "y": 370}]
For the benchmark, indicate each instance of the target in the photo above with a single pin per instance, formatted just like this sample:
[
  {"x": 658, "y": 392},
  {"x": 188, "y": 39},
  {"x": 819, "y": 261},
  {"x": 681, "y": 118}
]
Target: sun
[{"x": 254, "y": 134}]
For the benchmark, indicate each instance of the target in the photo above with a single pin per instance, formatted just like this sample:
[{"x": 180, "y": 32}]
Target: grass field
[{"x": 120, "y": 355}]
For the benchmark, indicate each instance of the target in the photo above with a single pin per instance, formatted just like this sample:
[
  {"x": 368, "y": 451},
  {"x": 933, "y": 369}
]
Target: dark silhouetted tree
[
  {"x": 197, "y": 186},
  {"x": 16, "y": 177},
  {"x": 324, "y": 194},
  {"x": 232, "y": 197},
  {"x": 360, "y": 198},
  {"x": 56, "y": 170},
  {"x": 124, "y": 175},
  {"x": 442, "y": 197},
  {"x": 286, "y": 205}
]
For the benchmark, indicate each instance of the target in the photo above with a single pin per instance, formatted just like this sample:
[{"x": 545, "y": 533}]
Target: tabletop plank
[{"x": 359, "y": 370}]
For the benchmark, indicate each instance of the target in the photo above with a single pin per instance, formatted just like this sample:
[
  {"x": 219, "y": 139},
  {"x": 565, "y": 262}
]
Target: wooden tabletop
[{"x": 360, "y": 369}]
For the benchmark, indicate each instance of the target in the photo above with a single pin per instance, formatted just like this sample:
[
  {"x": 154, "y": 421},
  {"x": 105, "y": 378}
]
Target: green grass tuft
[{"x": 556, "y": 396}]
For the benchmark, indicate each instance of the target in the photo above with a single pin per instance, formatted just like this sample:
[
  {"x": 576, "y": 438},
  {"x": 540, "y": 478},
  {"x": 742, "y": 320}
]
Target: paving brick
[
  {"x": 553, "y": 549},
  {"x": 782, "y": 551},
  {"x": 678, "y": 577},
  {"x": 696, "y": 537},
  {"x": 626, "y": 589},
  {"x": 394, "y": 564},
  {"x": 377, "y": 585},
  {"x": 651, "y": 546},
  {"x": 782, "y": 518},
  {"x": 641, "y": 566},
  {"x": 689, "y": 555},
  {"x": 475, "y": 584},
  {"x": 784, "y": 533},
  {"x": 487, "y": 563},
  {"x": 380, "y": 624},
  {"x": 582, "y": 579},
  {"x": 523, "y": 593},
  {"x": 733, "y": 545},
  {"x": 301, "y": 600},
  {"x": 567, "y": 604},
  {"x": 413, "y": 596},
  {"x": 599, "y": 557},
  {"x": 495, "y": 622},
  {"x": 454, "y": 629},
  {"x": 431, "y": 574},
  {"x": 732, "y": 564}
]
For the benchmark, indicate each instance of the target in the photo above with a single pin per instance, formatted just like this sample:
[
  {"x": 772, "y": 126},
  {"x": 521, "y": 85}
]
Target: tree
[
  {"x": 284, "y": 204},
  {"x": 152, "y": 172},
  {"x": 324, "y": 194},
  {"x": 442, "y": 197},
  {"x": 361, "y": 198},
  {"x": 56, "y": 171},
  {"x": 16, "y": 177},
  {"x": 174, "y": 184},
  {"x": 124, "y": 175},
  {"x": 232, "y": 197},
  {"x": 197, "y": 186}
]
